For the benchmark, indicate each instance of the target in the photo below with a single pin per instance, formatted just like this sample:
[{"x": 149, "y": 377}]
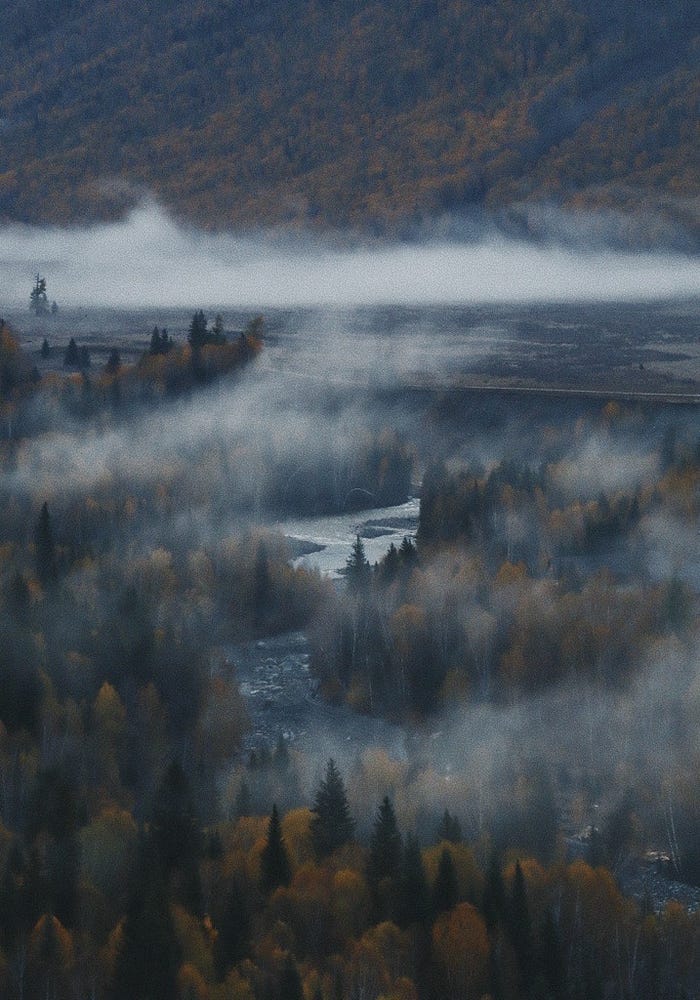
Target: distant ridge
[{"x": 352, "y": 115}]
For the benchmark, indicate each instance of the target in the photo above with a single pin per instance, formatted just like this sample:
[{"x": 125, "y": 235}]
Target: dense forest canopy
[
  {"x": 370, "y": 116},
  {"x": 536, "y": 640}
]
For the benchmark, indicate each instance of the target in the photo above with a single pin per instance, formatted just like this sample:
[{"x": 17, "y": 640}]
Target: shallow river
[
  {"x": 333, "y": 536},
  {"x": 273, "y": 673}
]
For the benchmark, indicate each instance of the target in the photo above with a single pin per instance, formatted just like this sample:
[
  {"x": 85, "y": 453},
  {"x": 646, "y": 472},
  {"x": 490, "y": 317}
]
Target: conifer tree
[
  {"x": 198, "y": 334},
  {"x": 357, "y": 569},
  {"x": 331, "y": 825},
  {"x": 446, "y": 887},
  {"x": 413, "y": 902},
  {"x": 38, "y": 299},
  {"x": 384, "y": 861},
  {"x": 274, "y": 862},
  {"x": 385, "y": 845}
]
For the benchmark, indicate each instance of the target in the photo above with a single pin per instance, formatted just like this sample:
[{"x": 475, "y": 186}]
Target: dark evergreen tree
[
  {"x": 71, "y": 359},
  {"x": 385, "y": 845},
  {"x": 198, "y": 333},
  {"x": 357, "y": 569},
  {"x": 46, "y": 568},
  {"x": 38, "y": 299},
  {"x": 390, "y": 565},
  {"x": 413, "y": 897},
  {"x": 331, "y": 825},
  {"x": 446, "y": 887},
  {"x": 384, "y": 861},
  {"x": 407, "y": 553},
  {"x": 45, "y": 349},
  {"x": 449, "y": 829},
  {"x": 275, "y": 869}
]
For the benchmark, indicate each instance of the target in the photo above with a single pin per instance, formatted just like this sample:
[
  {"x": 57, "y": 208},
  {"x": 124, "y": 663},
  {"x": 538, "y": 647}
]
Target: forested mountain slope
[{"x": 349, "y": 113}]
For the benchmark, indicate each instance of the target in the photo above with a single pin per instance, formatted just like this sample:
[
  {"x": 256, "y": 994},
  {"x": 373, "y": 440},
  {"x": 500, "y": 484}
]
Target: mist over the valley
[
  {"x": 149, "y": 260},
  {"x": 492, "y": 452}
]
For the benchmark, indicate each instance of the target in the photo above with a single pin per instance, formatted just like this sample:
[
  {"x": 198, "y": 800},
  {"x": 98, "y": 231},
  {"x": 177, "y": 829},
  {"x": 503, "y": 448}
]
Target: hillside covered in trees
[{"x": 373, "y": 117}]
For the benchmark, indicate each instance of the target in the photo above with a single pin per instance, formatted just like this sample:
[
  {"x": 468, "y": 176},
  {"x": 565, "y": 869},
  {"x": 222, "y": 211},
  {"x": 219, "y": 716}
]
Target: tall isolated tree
[
  {"x": 331, "y": 825},
  {"x": 38, "y": 298},
  {"x": 275, "y": 869}
]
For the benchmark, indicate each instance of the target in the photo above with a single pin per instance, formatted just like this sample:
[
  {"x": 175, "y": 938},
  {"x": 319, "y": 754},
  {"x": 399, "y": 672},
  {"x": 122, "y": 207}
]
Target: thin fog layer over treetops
[{"x": 467, "y": 768}]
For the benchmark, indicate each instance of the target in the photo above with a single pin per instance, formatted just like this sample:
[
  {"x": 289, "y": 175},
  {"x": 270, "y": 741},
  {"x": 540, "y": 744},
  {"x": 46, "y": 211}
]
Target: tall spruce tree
[
  {"x": 274, "y": 861},
  {"x": 446, "y": 886},
  {"x": 357, "y": 568},
  {"x": 331, "y": 825},
  {"x": 384, "y": 861}
]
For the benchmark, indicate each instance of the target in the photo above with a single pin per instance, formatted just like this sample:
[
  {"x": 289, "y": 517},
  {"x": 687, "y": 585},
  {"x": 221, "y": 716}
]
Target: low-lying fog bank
[{"x": 149, "y": 260}]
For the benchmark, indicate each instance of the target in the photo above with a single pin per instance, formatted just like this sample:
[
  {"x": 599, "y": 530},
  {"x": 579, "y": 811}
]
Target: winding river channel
[{"x": 273, "y": 673}]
